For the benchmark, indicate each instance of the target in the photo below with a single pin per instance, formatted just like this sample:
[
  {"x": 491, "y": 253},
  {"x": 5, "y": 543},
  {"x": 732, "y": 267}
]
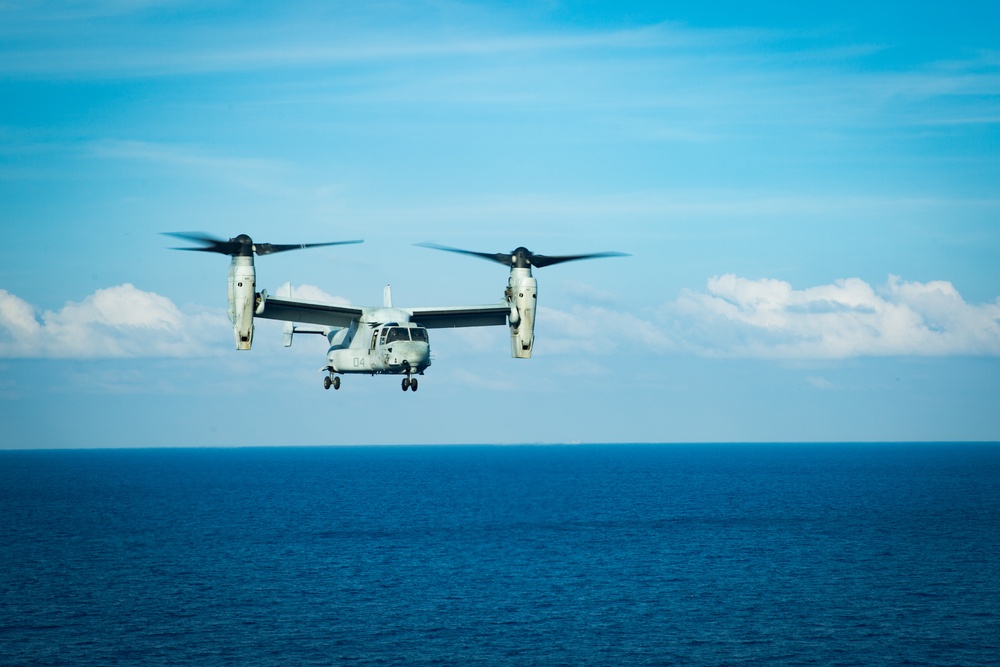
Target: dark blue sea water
[{"x": 583, "y": 555}]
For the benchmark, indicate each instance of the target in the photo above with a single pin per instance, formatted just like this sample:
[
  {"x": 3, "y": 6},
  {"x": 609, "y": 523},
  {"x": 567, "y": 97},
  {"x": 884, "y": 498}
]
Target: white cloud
[
  {"x": 595, "y": 330},
  {"x": 592, "y": 294},
  {"x": 817, "y": 382},
  {"x": 739, "y": 317},
  {"x": 742, "y": 318},
  {"x": 313, "y": 293},
  {"x": 120, "y": 321}
]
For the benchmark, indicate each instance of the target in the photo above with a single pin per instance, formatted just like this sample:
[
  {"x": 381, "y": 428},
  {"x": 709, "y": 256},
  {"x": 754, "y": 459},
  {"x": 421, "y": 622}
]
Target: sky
[{"x": 810, "y": 198}]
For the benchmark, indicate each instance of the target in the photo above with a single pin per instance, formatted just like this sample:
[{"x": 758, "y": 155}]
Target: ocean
[{"x": 736, "y": 554}]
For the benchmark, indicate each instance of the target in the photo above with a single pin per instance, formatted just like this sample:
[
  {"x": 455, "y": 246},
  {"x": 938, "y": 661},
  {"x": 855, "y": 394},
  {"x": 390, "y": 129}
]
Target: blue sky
[{"x": 811, "y": 199}]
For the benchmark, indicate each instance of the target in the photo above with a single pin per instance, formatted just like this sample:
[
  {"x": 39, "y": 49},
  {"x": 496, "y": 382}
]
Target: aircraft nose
[{"x": 417, "y": 354}]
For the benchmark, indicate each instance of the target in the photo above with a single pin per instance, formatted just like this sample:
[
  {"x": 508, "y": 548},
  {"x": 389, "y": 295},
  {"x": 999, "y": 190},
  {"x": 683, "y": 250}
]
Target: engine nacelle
[
  {"x": 522, "y": 295},
  {"x": 242, "y": 300}
]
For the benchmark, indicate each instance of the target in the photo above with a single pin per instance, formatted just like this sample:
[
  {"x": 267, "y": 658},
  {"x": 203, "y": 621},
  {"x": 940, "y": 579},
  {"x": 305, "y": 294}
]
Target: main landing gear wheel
[
  {"x": 331, "y": 382},
  {"x": 406, "y": 383}
]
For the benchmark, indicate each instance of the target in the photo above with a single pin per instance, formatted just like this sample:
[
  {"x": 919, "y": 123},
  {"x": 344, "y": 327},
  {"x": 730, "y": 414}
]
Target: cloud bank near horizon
[
  {"x": 116, "y": 322},
  {"x": 767, "y": 318},
  {"x": 119, "y": 322},
  {"x": 733, "y": 317}
]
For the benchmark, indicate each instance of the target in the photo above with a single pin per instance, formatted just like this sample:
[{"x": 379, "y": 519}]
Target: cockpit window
[
  {"x": 394, "y": 334},
  {"x": 397, "y": 333}
]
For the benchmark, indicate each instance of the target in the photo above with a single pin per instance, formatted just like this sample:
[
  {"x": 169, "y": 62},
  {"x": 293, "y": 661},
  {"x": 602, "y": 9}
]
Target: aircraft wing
[
  {"x": 460, "y": 316},
  {"x": 314, "y": 312}
]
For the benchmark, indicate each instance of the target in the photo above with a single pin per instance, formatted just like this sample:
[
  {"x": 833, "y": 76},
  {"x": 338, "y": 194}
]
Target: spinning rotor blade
[
  {"x": 524, "y": 258},
  {"x": 270, "y": 248},
  {"x": 243, "y": 245},
  {"x": 230, "y": 247},
  {"x": 500, "y": 258},
  {"x": 549, "y": 260}
]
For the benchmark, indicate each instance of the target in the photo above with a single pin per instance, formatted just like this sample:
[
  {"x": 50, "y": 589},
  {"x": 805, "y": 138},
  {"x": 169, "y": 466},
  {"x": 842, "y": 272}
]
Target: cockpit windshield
[{"x": 394, "y": 334}]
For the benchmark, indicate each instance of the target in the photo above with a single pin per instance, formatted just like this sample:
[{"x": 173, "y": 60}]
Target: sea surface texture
[{"x": 548, "y": 555}]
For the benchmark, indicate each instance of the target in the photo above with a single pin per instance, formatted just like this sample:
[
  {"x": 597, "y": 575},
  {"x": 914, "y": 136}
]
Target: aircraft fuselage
[{"x": 384, "y": 341}]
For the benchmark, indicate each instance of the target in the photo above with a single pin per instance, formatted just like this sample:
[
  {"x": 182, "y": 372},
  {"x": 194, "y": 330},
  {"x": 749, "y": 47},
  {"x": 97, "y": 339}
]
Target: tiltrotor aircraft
[{"x": 377, "y": 339}]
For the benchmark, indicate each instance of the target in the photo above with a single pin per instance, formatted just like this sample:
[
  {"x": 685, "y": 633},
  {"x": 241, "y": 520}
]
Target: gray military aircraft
[{"x": 377, "y": 339}]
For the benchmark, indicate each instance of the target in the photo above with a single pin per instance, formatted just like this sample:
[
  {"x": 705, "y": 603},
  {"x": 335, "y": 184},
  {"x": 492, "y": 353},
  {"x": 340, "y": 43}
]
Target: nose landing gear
[{"x": 409, "y": 382}]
